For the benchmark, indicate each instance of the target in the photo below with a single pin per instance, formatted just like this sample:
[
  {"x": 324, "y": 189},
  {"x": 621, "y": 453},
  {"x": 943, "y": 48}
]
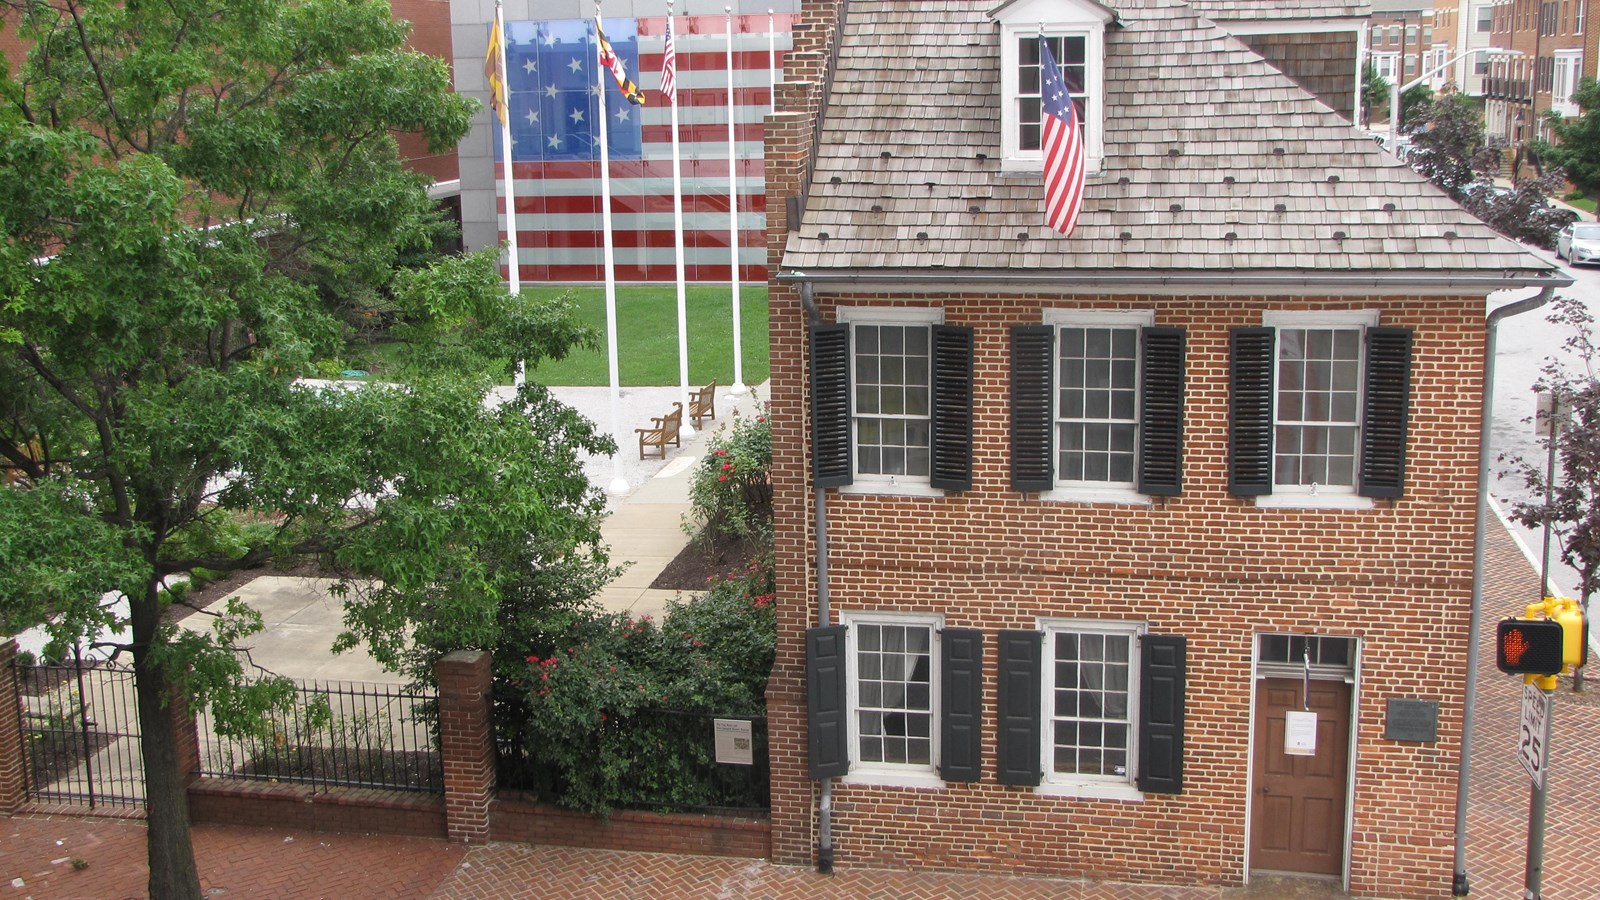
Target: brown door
[{"x": 1299, "y": 812}]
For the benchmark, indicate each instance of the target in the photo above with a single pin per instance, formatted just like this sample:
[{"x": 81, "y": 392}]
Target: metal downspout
[
  {"x": 825, "y": 804},
  {"x": 1458, "y": 884}
]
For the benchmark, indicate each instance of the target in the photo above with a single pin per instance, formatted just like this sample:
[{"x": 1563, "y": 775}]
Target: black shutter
[
  {"x": 830, "y": 405},
  {"x": 1250, "y": 370},
  {"x": 1032, "y": 381},
  {"x": 952, "y": 408},
  {"x": 961, "y": 704},
  {"x": 1161, "y": 412},
  {"x": 1384, "y": 420},
  {"x": 1161, "y": 685},
  {"x": 1017, "y": 741},
  {"x": 827, "y": 732}
]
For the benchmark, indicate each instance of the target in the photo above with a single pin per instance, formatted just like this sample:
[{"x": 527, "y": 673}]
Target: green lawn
[{"x": 647, "y": 336}]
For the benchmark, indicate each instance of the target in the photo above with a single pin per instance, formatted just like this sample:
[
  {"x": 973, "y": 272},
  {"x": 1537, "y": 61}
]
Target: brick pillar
[
  {"x": 185, "y": 737},
  {"x": 466, "y": 742},
  {"x": 13, "y": 786}
]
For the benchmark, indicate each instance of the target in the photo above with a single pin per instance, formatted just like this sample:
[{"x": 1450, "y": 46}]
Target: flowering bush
[
  {"x": 603, "y": 721},
  {"x": 730, "y": 493}
]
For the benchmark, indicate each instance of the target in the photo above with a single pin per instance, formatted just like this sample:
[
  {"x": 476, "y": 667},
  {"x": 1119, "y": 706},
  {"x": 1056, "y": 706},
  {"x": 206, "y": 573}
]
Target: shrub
[
  {"x": 730, "y": 493},
  {"x": 618, "y": 715}
]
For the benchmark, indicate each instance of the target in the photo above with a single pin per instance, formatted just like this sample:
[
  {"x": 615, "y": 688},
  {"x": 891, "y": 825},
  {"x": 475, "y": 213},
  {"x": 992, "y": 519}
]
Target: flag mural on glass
[
  {"x": 554, "y": 121},
  {"x": 1063, "y": 145}
]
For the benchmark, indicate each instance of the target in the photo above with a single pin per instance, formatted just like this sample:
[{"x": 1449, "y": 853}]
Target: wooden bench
[
  {"x": 703, "y": 404},
  {"x": 663, "y": 432}
]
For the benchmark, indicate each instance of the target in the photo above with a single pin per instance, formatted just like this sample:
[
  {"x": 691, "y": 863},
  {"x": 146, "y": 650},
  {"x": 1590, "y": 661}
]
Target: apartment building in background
[{"x": 1552, "y": 44}]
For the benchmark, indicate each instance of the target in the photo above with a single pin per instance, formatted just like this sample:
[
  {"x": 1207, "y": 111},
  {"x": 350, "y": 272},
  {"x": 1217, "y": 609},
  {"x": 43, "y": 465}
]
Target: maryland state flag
[
  {"x": 619, "y": 71},
  {"x": 494, "y": 69}
]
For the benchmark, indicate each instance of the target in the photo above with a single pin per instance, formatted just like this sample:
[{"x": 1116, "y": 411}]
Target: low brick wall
[
  {"x": 227, "y": 801},
  {"x": 515, "y": 817}
]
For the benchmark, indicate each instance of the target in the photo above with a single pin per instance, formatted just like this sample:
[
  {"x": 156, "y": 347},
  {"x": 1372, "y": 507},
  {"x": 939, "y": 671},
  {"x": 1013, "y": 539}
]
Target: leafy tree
[
  {"x": 1522, "y": 212},
  {"x": 199, "y": 202},
  {"x": 1577, "y": 145},
  {"x": 1450, "y": 149},
  {"x": 1374, "y": 94},
  {"x": 1416, "y": 105},
  {"x": 1574, "y": 508}
]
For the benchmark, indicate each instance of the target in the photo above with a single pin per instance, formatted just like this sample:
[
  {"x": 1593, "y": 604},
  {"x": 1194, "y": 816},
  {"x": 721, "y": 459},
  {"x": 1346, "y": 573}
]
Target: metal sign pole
[{"x": 1534, "y": 868}]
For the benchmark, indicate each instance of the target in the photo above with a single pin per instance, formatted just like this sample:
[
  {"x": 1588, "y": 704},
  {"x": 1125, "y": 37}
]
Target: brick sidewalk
[{"x": 247, "y": 863}]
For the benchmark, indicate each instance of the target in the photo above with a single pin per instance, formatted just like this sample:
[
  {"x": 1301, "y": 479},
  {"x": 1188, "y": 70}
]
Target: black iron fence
[
  {"x": 80, "y": 734},
  {"x": 354, "y": 734},
  {"x": 675, "y": 762}
]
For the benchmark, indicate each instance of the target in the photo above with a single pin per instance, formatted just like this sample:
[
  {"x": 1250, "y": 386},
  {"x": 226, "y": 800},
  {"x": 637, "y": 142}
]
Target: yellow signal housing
[{"x": 1568, "y": 613}]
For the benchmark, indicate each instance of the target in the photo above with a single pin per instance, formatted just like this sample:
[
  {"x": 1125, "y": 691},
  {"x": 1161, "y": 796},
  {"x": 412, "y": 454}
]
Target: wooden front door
[{"x": 1298, "y": 817}]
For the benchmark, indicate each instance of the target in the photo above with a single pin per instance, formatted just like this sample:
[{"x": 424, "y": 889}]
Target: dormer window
[{"x": 1076, "y": 32}]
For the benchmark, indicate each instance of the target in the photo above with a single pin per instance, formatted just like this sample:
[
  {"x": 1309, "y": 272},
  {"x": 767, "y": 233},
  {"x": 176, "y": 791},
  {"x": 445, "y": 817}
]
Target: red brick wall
[
  {"x": 516, "y": 818},
  {"x": 13, "y": 783},
  {"x": 227, "y": 801},
  {"x": 1206, "y": 565},
  {"x": 466, "y": 743}
]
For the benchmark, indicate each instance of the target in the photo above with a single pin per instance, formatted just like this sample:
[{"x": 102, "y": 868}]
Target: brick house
[{"x": 1141, "y": 554}]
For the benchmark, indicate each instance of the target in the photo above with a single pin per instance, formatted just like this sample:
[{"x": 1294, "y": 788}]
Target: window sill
[
  {"x": 886, "y": 487},
  {"x": 1314, "y": 501},
  {"x": 920, "y": 780},
  {"x": 1092, "y": 166},
  {"x": 1091, "y": 790},
  {"x": 1125, "y": 497}
]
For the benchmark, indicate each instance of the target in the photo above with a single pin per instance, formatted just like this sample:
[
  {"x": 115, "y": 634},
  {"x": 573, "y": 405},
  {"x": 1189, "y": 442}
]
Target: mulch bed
[{"x": 701, "y": 561}]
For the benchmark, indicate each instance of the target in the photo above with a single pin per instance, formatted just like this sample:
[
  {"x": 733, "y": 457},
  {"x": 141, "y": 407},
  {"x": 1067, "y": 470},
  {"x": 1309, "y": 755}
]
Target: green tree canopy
[
  {"x": 1577, "y": 140},
  {"x": 201, "y": 204}
]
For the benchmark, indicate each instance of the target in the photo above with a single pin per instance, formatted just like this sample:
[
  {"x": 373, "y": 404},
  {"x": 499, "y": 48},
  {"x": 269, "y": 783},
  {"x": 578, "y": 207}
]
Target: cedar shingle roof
[
  {"x": 1214, "y": 161},
  {"x": 1229, "y": 10}
]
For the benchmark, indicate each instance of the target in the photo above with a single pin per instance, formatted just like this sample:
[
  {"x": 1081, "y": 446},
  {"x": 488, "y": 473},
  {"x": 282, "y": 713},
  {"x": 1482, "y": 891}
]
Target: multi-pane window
[
  {"x": 893, "y": 709},
  {"x": 1090, "y": 700},
  {"x": 1072, "y": 56},
  {"x": 1318, "y": 407},
  {"x": 1485, "y": 19},
  {"x": 1097, "y": 404},
  {"x": 892, "y": 399}
]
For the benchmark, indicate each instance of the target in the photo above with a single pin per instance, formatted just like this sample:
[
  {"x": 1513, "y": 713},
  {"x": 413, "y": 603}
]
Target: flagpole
[
  {"x": 677, "y": 232},
  {"x": 619, "y": 484},
  {"x": 772, "y": 60},
  {"x": 738, "y": 389},
  {"x": 513, "y": 276}
]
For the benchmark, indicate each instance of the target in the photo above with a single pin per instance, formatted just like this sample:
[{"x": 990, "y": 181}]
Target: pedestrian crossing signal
[{"x": 1530, "y": 646}]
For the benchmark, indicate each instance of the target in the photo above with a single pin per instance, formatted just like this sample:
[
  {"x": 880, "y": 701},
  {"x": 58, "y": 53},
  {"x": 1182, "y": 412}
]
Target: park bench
[
  {"x": 663, "y": 432},
  {"x": 703, "y": 404}
]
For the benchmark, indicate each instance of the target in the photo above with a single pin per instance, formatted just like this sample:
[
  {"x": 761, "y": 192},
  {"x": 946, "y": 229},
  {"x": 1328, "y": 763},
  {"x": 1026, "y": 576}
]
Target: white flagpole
[
  {"x": 677, "y": 236},
  {"x": 513, "y": 277},
  {"x": 738, "y": 388},
  {"x": 772, "y": 59},
  {"x": 619, "y": 484}
]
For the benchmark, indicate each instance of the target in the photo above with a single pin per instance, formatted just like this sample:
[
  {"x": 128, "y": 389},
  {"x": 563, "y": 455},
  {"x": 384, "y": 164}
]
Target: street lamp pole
[{"x": 1394, "y": 95}]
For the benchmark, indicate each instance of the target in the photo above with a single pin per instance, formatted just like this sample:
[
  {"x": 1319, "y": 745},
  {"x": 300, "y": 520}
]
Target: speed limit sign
[{"x": 1532, "y": 748}]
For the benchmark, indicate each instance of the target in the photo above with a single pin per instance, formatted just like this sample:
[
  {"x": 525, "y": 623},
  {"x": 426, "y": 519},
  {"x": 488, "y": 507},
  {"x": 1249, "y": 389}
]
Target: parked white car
[{"x": 1579, "y": 243}]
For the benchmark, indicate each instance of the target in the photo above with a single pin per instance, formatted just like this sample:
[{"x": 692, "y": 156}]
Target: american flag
[
  {"x": 1063, "y": 145},
  {"x": 669, "y": 68},
  {"x": 555, "y": 157}
]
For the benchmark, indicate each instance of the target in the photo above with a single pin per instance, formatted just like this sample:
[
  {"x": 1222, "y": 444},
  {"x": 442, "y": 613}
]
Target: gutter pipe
[
  {"x": 825, "y": 805},
  {"x": 1458, "y": 883},
  {"x": 1080, "y": 278}
]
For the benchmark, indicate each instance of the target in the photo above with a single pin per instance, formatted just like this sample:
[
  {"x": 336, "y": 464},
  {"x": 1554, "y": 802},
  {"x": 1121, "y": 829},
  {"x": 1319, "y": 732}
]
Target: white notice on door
[
  {"x": 1300, "y": 733},
  {"x": 734, "y": 744}
]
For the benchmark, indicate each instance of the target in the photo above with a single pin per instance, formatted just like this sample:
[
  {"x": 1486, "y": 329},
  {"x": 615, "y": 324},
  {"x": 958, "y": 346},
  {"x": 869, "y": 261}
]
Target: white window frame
[
  {"x": 1320, "y": 496},
  {"x": 1100, "y": 787},
  {"x": 1565, "y": 68},
  {"x": 1023, "y": 19},
  {"x": 893, "y": 774},
  {"x": 1089, "y": 491},
  {"x": 910, "y": 485}
]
